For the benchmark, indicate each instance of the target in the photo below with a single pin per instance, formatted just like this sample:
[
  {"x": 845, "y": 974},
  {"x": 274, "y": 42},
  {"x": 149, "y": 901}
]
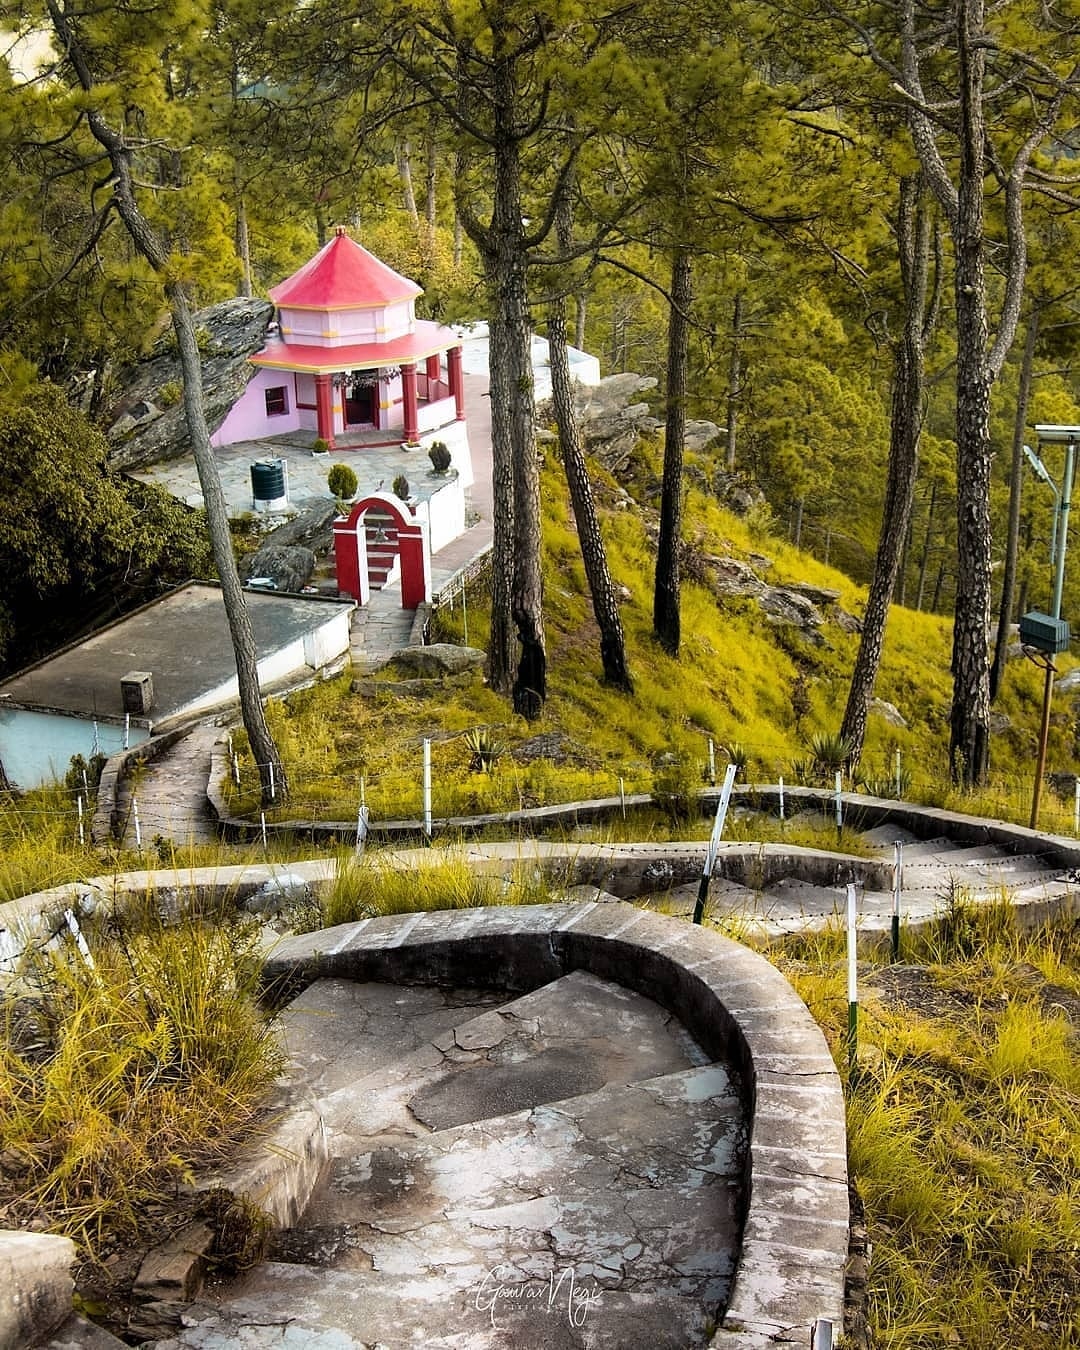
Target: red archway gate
[{"x": 351, "y": 556}]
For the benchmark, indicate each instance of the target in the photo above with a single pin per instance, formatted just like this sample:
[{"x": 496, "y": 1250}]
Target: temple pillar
[
  {"x": 457, "y": 381},
  {"x": 433, "y": 372},
  {"x": 324, "y": 408},
  {"x": 409, "y": 399}
]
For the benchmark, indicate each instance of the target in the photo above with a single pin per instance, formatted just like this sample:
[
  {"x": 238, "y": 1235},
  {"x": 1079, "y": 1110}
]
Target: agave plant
[
  {"x": 829, "y": 752},
  {"x": 485, "y": 749}
]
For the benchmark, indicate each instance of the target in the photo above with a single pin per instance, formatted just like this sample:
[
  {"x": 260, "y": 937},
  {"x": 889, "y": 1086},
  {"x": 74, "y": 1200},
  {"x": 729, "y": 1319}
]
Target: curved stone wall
[{"x": 736, "y": 1005}]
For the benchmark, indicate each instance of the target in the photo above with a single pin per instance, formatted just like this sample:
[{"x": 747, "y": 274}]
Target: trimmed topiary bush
[
  {"x": 440, "y": 456},
  {"x": 401, "y": 487},
  {"x": 342, "y": 482}
]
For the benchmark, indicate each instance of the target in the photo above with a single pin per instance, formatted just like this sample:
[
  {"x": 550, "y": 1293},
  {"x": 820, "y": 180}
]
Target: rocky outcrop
[
  {"x": 888, "y": 712},
  {"x": 441, "y": 658},
  {"x": 145, "y": 424},
  {"x": 610, "y": 424},
  {"x": 288, "y": 566}
]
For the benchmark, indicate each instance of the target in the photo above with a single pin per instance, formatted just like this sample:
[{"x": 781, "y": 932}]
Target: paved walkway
[{"x": 168, "y": 795}]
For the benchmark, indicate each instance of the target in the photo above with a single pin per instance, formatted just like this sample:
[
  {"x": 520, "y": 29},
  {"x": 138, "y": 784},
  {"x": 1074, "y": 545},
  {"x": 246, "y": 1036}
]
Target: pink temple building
[{"x": 351, "y": 363}]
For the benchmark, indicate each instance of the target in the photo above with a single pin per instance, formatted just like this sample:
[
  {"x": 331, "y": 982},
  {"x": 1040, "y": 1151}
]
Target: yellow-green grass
[
  {"x": 120, "y": 1078},
  {"x": 964, "y": 1133},
  {"x": 738, "y": 679},
  {"x": 378, "y": 885}
]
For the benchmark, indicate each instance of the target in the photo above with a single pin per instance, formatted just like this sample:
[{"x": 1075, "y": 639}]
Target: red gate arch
[{"x": 350, "y": 551}]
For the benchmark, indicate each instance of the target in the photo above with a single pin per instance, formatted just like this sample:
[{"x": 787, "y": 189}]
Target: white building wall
[{"x": 37, "y": 747}]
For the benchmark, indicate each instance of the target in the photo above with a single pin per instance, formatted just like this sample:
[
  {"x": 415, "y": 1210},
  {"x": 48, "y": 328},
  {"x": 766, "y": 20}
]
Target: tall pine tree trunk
[
  {"x": 403, "y": 153},
  {"x": 431, "y": 172},
  {"x": 1016, "y": 475},
  {"x": 243, "y": 243},
  {"x": 518, "y": 597},
  {"x": 913, "y": 236},
  {"x": 925, "y": 558},
  {"x": 734, "y": 382},
  {"x": 969, "y": 738},
  {"x": 666, "y": 608},
  {"x": 149, "y": 245},
  {"x": 605, "y": 602}
]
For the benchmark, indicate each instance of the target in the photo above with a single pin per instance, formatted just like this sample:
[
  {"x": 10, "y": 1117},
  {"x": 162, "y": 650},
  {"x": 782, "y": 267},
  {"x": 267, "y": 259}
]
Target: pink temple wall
[
  {"x": 342, "y": 327},
  {"x": 248, "y": 419}
]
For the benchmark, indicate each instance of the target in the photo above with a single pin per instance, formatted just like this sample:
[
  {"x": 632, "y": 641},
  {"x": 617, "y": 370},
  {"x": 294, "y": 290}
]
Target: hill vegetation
[{"x": 760, "y": 690}]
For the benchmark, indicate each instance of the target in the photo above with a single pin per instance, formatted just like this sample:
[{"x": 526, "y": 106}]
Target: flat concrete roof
[{"x": 182, "y": 639}]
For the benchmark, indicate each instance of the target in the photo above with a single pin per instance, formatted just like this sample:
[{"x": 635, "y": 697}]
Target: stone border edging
[
  {"x": 860, "y": 811},
  {"x": 790, "y": 1269}
]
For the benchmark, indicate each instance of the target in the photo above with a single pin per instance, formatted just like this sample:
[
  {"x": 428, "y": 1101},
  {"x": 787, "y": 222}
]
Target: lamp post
[{"x": 1057, "y": 634}]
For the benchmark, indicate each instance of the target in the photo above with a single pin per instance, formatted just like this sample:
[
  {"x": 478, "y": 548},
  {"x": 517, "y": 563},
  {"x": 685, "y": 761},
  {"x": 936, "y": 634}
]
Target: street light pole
[{"x": 1069, "y": 435}]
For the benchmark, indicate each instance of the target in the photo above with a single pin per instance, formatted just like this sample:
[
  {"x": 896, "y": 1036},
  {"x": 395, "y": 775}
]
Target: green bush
[
  {"x": 676, "y": 787},
  {"x": 401, "y": 487},
  {"x": 440, "y": 456},
  {"x": 342, "y": 482}
]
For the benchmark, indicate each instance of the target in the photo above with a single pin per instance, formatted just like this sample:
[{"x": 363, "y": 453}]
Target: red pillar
[
  {"x": 324, "y": 408},
  {"x": 457, "y": 381},
  {"x": 408, "y": 391},
  {"x": 432, "y": 372}
]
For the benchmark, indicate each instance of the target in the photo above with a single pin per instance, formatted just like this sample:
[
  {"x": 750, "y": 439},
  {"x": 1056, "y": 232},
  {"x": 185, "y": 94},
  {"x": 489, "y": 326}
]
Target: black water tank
[{"x": 268, "y": 480}]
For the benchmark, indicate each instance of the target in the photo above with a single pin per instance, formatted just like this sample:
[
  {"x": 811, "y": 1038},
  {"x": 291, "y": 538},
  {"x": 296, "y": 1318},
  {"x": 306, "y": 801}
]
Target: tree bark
[
  {"x": 913, "y": 236},
  {"x": 404, "y": 168},
  {"x": 148, "y": 244},
  {"x": 734, "y": 381},
  {"x": 581, "y": 301},
  {"x": 666, "y": 607},
  {"x": 605, "y": 602},
  {"x": 925, "y": 558},
  {"x": 1016, "y": 478},
  {"x": 518, "y": 590},
  {"x": 969, "y": 727},
  {"x": 243, "y": 244},
  {"x": 431, "y": 171}
]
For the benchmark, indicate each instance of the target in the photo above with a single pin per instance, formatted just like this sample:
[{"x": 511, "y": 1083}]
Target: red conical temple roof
[{"x": 343, "y": 275}]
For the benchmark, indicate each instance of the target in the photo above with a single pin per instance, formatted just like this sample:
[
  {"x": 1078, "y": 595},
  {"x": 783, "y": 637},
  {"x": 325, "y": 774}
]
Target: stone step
[
  {"x": 575, "y": 1035},
  {"x": 884, "y": 836},
  {"x": 473, "y": 1236}
]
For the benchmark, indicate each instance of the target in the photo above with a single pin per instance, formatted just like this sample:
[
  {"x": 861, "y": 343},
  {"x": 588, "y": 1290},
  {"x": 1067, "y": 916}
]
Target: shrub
[
  {"x": 676, "y": 785},
  {"x": 342, "y": 482},
  {"x": 401, "y": 487},
  {"x": 440, "y": 456},
  {"x": 118, "y": 1080},
  {"x": 485, "y": 749},
  {"x": 320, "y": 446},
  {"x": 170, "y": 394}
]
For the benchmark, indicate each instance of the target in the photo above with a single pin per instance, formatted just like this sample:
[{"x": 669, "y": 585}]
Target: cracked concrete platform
[{"x": 605, "y": 1213}]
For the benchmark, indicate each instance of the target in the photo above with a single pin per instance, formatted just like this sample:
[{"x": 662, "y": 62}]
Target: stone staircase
[
  {"x": 933, "y": 870},
  {"x": 562, "y": 1169},
  {"x": 384, "y": 563}
]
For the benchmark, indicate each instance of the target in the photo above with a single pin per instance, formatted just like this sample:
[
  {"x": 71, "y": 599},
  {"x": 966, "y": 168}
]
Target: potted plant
[
  {"x": 440, "y": 456},
  {"x": 320, "y": 446},
  {"x": 401, "y": 487}
]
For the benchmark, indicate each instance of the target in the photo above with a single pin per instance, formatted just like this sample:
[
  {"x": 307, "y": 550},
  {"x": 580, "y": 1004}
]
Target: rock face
[
  {"x": 610, "y": 424},
  {"x": 888, "y": 712},
  {"x": 287, "y": 566},
  {"x": 145, "y": 424}
]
